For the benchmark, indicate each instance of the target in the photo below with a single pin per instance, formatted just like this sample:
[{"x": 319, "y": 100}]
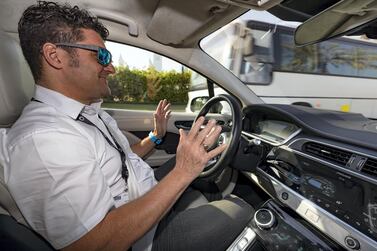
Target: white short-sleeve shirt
[{"x": 63, "y": 174}]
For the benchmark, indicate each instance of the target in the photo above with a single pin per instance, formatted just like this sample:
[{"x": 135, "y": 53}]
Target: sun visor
[
  {"x": 173, "y": 22},
  {"x": 176, "y": 22},
  {"x": 343, "y": 18}
]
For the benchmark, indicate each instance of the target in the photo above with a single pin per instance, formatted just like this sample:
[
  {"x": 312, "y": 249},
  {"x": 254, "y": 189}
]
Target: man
[{"x": 72, "y": 172}]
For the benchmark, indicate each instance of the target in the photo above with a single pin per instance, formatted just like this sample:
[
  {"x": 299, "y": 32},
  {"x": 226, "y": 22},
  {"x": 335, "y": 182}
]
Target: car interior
[{"x": 310, "y": 174}]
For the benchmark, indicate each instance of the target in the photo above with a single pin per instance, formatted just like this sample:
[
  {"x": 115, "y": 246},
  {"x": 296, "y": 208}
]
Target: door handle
[{"x": 184, "y": 124}]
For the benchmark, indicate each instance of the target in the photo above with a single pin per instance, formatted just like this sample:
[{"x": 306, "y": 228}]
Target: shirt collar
[{"x": 64, "y": 104}]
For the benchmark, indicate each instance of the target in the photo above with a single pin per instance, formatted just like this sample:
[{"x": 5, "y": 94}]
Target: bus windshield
[{"x": 338, "y": 74}]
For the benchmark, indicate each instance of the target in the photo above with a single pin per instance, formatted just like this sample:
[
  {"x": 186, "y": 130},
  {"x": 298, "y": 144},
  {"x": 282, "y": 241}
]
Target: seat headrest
[{"x": 16, "y": 81}]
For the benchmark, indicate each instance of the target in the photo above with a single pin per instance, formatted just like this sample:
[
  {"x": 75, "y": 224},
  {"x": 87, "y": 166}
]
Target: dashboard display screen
[{"x": 274, "y": 130}]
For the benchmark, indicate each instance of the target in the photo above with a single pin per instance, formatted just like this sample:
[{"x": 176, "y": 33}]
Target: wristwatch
[{"x": 154, "y": 139}]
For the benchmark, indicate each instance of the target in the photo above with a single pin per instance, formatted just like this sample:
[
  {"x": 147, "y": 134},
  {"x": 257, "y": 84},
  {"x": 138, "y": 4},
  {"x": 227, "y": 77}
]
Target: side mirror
[{"x": 197, "y": 103}]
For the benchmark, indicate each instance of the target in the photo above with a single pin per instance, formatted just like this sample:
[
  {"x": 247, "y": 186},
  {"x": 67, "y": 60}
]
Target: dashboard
[{"x": 320, "y": 164}]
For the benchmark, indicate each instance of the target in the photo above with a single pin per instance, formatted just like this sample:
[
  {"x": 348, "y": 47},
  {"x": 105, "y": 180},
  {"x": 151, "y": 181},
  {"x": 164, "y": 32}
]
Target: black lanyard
[{"x": 116, "y": 146}]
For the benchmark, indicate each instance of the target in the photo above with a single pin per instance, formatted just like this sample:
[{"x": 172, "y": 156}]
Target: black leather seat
[{"x": 17, "y": 237}]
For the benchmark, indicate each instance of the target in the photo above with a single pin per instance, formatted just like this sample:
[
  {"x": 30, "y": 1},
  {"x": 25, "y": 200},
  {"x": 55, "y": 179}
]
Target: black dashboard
[{"x": 320, "y": 164}]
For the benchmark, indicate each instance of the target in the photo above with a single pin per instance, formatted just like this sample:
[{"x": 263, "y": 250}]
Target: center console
[
  {"x": 349, "y": 198},
  {"x": 273, "y": 229}
]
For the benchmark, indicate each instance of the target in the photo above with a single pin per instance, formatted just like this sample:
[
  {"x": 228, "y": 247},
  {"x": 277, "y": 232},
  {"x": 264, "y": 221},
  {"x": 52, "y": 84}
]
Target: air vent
[
  {"x": 370, "y": 167},
  {"x": 327, "y": 153}
]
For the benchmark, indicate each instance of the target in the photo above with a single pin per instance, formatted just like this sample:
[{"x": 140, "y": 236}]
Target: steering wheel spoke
[
  {"x": 226, "y": 128},
  {"x": 212, "y": 161}
]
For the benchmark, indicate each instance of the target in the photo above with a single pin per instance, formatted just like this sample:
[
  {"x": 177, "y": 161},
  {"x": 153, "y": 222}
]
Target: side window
[{"x": 143, "y": 78}]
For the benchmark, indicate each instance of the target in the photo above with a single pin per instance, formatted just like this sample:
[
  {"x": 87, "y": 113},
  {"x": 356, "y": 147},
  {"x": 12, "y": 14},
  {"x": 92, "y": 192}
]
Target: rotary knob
[
  {"x": 352, "y": 243},
  {"x": 264, "y": 218}
]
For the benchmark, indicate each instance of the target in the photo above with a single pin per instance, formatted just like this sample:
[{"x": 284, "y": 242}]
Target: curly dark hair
[{"x": 54, "y": 23}]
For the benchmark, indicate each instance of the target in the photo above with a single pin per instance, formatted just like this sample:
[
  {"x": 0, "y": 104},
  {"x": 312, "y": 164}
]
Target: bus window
[
  {"x": 339, "y": 57},
  {"x": 349, "y": 58},
  {"x": 256, "y": 67},
  {"x": 297, "y": 59}
]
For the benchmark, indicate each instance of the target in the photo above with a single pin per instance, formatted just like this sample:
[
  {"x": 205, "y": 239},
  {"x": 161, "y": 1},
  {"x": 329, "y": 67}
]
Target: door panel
[{"x": 136, "y": 125}]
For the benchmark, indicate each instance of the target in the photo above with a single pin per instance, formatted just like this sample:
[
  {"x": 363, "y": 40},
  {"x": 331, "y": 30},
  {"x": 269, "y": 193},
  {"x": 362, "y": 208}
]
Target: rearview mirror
[{"x": 342, "y": 18}]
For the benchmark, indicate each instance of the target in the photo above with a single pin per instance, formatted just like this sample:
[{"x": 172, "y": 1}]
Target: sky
[{"x": 137, "y": 58}]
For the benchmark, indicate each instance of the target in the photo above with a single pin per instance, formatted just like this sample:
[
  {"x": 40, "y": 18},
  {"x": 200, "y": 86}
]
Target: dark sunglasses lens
[{"x": 104, "y": 56}]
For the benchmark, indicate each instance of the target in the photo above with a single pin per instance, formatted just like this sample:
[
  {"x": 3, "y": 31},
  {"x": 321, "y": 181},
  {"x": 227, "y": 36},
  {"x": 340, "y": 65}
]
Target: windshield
[{"x": 338, "y": 74}]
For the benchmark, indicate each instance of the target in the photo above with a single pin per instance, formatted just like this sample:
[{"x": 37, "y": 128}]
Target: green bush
[{"x": 148, "y": 86}]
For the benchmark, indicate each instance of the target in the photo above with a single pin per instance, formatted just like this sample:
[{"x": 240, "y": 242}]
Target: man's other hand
[{"x": 161, "y": 117}]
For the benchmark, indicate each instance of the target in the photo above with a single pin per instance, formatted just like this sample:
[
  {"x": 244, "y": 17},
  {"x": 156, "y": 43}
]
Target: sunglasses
[{"x": 103, "y": 55}]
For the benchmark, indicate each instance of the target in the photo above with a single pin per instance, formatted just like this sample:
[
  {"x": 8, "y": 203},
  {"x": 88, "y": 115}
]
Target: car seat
[{"x": 16, "y": 89}]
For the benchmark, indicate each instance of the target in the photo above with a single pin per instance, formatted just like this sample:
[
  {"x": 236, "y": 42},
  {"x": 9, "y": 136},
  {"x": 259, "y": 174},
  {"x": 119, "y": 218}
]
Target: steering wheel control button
[
  {"x": 352, "y": 243},
  {"x": 264, "y": 218}
]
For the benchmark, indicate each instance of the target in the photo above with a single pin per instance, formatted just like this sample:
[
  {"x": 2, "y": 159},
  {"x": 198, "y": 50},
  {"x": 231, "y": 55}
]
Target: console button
[
  {"x": 312, "y": 216},
  {"x": 352, "y": 243},
  {"x": 358, "y": 223},
  {"x": 242, "y": 243},
  {"x": 346, "y": 217},
  {"x": 284, "y": 196},
  {"x": 339, "y": 212}
]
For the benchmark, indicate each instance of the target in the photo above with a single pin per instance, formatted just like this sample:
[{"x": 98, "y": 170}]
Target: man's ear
[{"x": 52, "y": 55}]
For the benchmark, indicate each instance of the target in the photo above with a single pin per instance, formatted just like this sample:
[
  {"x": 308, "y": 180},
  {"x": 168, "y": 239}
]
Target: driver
[{"x": 72, "y": 172}]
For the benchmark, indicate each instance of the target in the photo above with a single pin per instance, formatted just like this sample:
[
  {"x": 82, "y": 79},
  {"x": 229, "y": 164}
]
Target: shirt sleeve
[{"x": 58, "y": 185}]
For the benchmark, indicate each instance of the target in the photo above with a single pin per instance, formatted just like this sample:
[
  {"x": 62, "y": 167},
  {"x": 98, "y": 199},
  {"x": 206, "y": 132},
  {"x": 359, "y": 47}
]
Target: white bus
[{"x": 338, "y": 74}]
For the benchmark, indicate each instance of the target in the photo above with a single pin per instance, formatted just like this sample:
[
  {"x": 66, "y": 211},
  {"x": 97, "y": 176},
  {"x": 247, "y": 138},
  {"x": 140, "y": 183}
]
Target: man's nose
[{"x": 110, "y": 68}]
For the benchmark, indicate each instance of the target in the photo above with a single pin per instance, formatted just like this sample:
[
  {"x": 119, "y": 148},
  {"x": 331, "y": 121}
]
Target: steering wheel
[{"x": 230, "y": 133}]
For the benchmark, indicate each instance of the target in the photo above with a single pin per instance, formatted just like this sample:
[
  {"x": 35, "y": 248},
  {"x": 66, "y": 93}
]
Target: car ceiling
[{"x": 180, "y": 23}]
